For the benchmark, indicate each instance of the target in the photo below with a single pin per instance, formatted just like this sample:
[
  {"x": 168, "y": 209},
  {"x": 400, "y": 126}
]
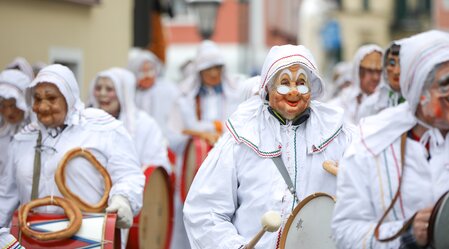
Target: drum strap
[
  {"x": 37, "y": 167},
  {"x": 396, "y": 196},
  {"x": 283, "y": 170}
]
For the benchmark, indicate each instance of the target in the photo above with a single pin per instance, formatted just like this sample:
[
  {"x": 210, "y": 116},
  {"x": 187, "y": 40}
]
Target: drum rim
[
  {"x": 298, "y": 208},
  {"x": 183, "y": 191},
  {"x": 444, "y": 204},
  {"x": 148, "y": 172}
]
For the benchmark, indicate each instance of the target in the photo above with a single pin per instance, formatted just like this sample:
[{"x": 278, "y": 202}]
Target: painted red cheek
[{"x": 437, "y": 109}]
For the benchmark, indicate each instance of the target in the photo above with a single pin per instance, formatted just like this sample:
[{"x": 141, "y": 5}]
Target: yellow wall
[{"x": 101, "y": 34}]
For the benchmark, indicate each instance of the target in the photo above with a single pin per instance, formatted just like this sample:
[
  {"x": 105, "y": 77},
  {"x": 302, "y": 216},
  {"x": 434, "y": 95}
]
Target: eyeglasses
[{"x": 283, "y": 89}]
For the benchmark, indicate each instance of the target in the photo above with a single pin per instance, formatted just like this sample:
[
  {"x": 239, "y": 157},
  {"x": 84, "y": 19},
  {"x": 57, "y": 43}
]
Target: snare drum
[
  {"x": 195, "y": 153},
  {"x": 309, "y": 226},
  {"x": 97, "y": 231},
  {"x": 152, "y": 228}
]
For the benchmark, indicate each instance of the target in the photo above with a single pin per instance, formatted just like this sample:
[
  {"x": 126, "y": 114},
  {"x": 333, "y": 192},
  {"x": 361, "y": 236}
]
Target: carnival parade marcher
[
  {"x": 238, "y": 182},
  {"x": 389, "y": 91},
  {"x": 113, "y": 91},
  {"x": 211, "y": 93},
  {"x": 61, "y": 123},
  {"x": 366, "y": 76},
  {"x": 403, "y": 151},
  {"x": 156, "y": 95},
  {"x": 13, "y": 109}
]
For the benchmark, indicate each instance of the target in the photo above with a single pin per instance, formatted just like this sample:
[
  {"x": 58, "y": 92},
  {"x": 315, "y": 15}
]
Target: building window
[
  {"x": 365, "y": 5},
  {"x": 412, "y": 15}
]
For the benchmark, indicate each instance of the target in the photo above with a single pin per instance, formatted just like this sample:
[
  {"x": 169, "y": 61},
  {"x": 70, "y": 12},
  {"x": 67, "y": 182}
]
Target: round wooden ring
[
  {"x": 61, "y": 183},
  {"x": 70, "y": 210}
]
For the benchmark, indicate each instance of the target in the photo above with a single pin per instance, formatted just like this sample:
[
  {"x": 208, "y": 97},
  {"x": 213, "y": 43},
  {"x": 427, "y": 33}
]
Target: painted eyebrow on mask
[{"x": 300, "y": 72}]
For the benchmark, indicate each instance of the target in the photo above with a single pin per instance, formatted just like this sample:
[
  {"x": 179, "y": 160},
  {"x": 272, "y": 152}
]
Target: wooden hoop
[
  {"x": 70, "y": 210},
  {"x": 61, "y": 182}
]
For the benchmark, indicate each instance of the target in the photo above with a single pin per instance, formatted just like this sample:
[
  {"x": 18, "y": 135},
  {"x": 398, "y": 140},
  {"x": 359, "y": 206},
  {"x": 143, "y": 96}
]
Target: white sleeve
[
  {"x": 124, "y": 168},
  {"x": 9, "y": 195},
  {"x": 354, "y": 217},
  {"x": 191, "y": 122},
  {"x": 212, "y": 201}
]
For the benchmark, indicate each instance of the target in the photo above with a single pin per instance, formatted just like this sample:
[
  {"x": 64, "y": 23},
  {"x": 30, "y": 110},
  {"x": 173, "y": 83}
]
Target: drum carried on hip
[
  {"x": 195, "y": 153},
  {"x": 152, "y": 228},
  {"x": 438, "y": 228},
  {"x": 309, "y": 226},
  {"x": 96, "y": 231}
]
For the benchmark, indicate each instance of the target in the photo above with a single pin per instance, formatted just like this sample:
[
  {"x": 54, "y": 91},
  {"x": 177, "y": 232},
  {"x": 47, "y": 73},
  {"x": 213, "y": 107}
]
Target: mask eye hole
[
  {"x": 303, "y": 89},
  {"x": 283, "y": 89}
]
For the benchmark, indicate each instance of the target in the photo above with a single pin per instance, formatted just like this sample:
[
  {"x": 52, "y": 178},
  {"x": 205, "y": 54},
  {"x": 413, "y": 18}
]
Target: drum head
[
  {"x": 156, "y": 215},
  {"x": 309, "y": 226},
  {"x": 196, "y": 152},
  {"x": 441, "y": 225}
]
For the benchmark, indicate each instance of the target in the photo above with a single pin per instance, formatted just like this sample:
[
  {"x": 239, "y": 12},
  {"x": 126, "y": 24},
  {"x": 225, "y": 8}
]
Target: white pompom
[{"x": 271, "y": 221}]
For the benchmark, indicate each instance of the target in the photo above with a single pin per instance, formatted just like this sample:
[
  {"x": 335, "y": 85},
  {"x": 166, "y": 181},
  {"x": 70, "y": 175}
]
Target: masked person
[
  {"x": 13, "y": 109},
  {"x": 238, "y": 182},
  {"x": 366, "y": 76},
  {"x": 404, "y": 146},
  {"x": 210, "y": 94},
  {"x": 61, "y": 124},
  {"x": 156, "y": 95},
  {"x": 13, "y": 116},
  {"x": 113, "y": 91},
  {"x": 388, "y": 93}
]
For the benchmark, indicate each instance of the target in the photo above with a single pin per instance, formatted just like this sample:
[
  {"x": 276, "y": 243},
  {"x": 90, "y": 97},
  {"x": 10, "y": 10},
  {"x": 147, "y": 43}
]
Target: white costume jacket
[
  {"x": 370, "y": 171},
  {"x": 238, "y": 182},
  {"x": 92, "y": 129}
]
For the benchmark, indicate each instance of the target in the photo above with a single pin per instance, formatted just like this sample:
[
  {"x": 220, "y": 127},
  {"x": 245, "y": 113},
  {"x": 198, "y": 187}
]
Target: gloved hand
[{"x": 121, "y": 205}]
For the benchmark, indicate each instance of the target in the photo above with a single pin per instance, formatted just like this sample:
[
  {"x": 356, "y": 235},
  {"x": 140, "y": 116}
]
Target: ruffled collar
[{"x": 253, "y": 125}]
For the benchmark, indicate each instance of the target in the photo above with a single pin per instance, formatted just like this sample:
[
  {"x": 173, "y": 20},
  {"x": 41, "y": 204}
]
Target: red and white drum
[
  {"x": 152, "y": 228},
  {"x": 195, "y": 153},
  {"x": 97, "y": 231},
  {"x": 309, "y": 226}
]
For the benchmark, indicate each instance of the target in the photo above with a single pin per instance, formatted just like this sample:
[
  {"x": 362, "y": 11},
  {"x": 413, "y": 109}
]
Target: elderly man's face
[
  {"x": 292, "y": 103},
  {"x": 49, "y": 105},
  {"x": 106, "y": 96},
  {"x": 435, "y": 102},
  {"x": 370, "y": 71},
  {"x": 393, "y": 71},
  {"x": 211, "y": 76},
  {"x": 9, "y": 111}
]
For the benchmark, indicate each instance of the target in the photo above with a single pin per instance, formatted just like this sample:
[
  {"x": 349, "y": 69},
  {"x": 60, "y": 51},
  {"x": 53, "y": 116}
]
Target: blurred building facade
[{"x": 86, "y": 35}]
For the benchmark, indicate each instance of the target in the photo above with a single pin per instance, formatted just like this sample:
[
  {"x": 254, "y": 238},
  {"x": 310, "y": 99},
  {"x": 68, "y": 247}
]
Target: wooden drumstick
[
  {"x": 271, "y": 221},
  {"x": 331, "y": 167}
]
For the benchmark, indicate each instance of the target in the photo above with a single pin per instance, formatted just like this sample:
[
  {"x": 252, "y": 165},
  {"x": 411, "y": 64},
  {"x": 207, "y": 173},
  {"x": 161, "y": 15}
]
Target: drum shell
[
  {"x": 195, "y": 153},
  {"x": 135, "y": 238},
  {"x": 110, "y": 236}
]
